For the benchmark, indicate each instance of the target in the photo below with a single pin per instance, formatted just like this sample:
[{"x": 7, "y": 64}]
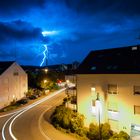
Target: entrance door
[{"x": 135, "y": 132}]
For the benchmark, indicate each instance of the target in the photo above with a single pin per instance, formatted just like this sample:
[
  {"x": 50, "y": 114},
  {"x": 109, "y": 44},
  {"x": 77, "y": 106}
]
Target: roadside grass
[{"x": 10, "y": 107}]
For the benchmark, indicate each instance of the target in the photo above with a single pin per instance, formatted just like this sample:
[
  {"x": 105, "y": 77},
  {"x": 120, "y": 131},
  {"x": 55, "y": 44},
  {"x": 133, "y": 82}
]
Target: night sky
[{"x": 73, "y": 28}]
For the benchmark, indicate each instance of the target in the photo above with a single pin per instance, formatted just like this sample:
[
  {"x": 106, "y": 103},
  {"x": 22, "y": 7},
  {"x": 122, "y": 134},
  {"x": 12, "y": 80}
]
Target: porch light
[{"x": 45, "y": 81}]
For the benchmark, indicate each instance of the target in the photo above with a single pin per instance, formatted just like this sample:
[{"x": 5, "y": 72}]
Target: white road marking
[
  {"x": 42, "y": 132},
  {"x": 41, "y": 129},
  {"x": 19, "y": 113}
]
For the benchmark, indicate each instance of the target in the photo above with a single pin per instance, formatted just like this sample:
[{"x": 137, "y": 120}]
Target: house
[
  {"x": 13, "y": 82},
  {"x": 108, "y": 88}
]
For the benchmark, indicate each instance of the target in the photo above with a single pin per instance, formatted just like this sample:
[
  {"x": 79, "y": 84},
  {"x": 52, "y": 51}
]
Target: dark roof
[
  {"x": 31, "y": 68},
  {"x": 5, "y": 65},
  {"x": 125, "y": 60}
]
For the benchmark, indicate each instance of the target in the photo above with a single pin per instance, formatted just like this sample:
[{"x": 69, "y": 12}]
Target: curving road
[{"x": 25, "y": 124}]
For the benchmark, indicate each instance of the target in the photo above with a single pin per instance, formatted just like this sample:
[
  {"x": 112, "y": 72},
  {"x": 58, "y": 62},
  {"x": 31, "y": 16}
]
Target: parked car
[
  {"x": 32, "y": 97},
  {"x": 22, "y": 101}
]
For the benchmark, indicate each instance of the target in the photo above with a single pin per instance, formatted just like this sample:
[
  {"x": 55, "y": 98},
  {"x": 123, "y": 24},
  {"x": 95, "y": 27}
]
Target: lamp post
[{"x": 98, "y": 107}]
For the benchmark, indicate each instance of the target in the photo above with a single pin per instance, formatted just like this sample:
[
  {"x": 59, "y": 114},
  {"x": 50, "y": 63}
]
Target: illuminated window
[
  {"x": 113, "y": 115},
  {"x": 93, "y": 107},
  {"x": 134, "y": 48},
  {"x": 113, "y": 111},
  {"x": 112, "y": 89},
  {"x": 93, "y": 93},
  {"x": 93, "y": 102},
  {"x": 137, "y": 90},
  {"x": 136, "y": 109}
]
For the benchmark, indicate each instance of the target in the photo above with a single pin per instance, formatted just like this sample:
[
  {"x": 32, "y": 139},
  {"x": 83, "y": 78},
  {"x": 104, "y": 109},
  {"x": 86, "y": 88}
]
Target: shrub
[
  {"x": 93, "y": 133},
  {"x": 77, "y": 123},
  {"x": 61, "y": 117},
  {"x": 124, "y": 135},
  {"x": 106, "y": 131},
  {"x": 121, "y": 136},
  {"x": 68, "y": 119},
  {"x": 29, "y": 92},
  {"x": 73, "y": 122}
]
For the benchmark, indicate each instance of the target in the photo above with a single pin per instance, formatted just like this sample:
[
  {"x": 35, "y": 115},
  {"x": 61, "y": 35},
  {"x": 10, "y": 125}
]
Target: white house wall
[
  {"x": 125, "y": 98},
  {"x": 12, "y": 87}
]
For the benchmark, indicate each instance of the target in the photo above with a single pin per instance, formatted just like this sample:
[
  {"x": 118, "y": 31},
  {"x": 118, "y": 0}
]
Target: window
[
  {"x": 134, "y": 48},
  {"x": 136, "y": 109},
  {"x": 113, "y": 115},
  {"x": 93, "y": 68},
  {"x": 93, "y": 91},
  {"x": 137, "y": 90},
  {"x": 112, "y": 106},
  {"x": 93, "y": 102},
  {"x": 15, "y": 73},
  {"x": 112, "y": 67},
  {"x": 112, "y": 89},
  {"x": 93, "y": 107}
]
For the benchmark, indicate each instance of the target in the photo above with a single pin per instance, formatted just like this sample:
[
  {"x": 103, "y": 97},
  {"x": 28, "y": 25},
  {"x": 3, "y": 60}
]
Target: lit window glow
[
  {"x": 92, "y": 88},
  {"x": 113, "y": 115}
]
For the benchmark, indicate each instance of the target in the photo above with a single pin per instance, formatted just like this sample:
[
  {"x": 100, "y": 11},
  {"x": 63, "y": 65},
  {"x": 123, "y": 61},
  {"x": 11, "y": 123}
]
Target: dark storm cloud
[
  {"x": 10, "y": 7},
  {"x": 80, "y": 26},
  {"x": 128, "y": 7},
  {"x": 18, "y": 30}
]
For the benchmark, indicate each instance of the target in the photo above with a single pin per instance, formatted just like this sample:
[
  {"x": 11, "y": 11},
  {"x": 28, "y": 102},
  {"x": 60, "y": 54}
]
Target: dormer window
[
  {"x": 16, "y": 73},
  {"x": 134, "y": 48},
  {"x": 93, "y": 68}
]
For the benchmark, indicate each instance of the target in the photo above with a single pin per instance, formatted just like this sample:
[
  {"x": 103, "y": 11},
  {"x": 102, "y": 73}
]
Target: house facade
[
  {"x": 108, "y": 89},
  {"x": 13, "y": 83}
]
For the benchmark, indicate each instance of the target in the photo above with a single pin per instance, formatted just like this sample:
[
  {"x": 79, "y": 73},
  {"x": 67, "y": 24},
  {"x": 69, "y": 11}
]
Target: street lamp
[
  {"x": 46, "y": 70},
  {"x": 98, "y": 109},
  {"x": 45, "y": 81}
]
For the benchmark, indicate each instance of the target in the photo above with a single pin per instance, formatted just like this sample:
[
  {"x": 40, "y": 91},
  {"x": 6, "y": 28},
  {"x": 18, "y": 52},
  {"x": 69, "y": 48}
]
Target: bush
[
  {"x": 121, "y": 136},
  {"x": 93, "y": 133},
  {"x": 77, "y": 124},
  {"x": 124, "y": 135},
  {"x": 61, "y": 117},
  {"x": 106, "y": 131},
  {"x": 73, "y": 122},
  {"x": 66, "y": 118},
  {"x": 29, "y": 92}
]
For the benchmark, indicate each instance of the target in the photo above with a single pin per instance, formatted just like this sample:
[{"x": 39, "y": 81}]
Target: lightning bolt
[{"x": 45, "y": 54}]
